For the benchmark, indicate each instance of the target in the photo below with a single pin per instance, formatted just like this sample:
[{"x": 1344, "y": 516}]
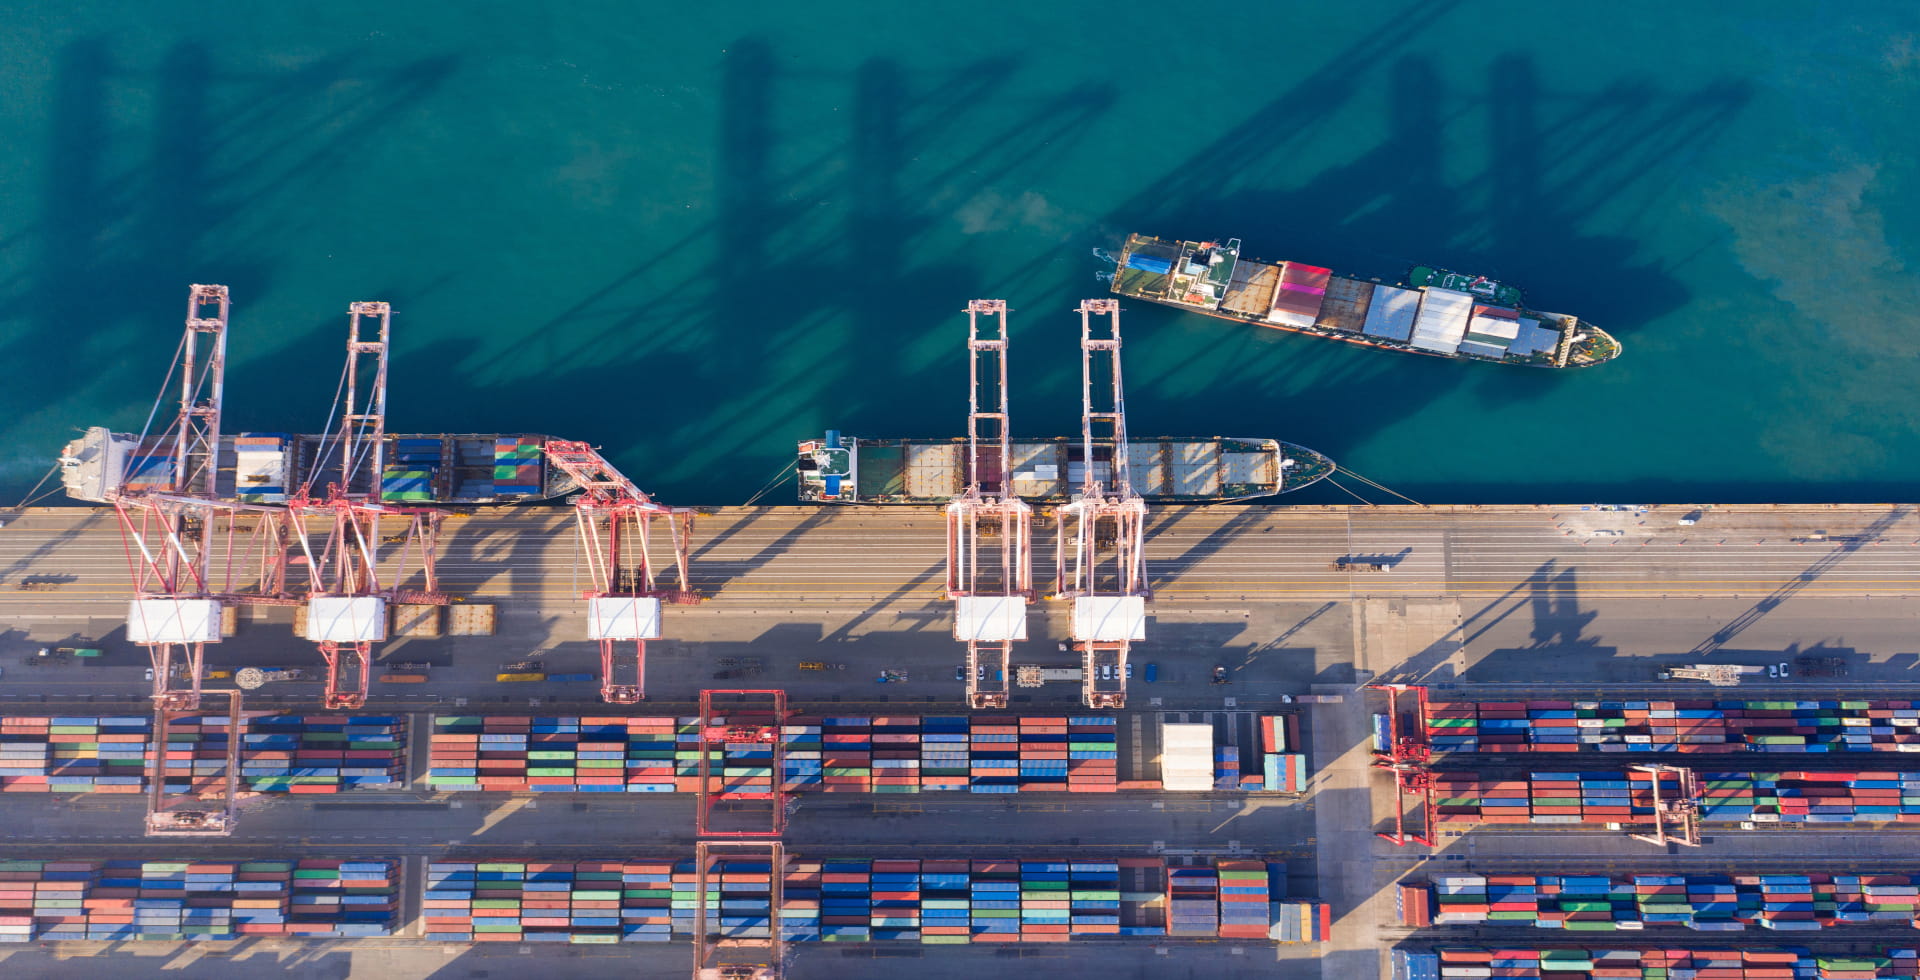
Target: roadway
[{"x": 1195, "y": 553}]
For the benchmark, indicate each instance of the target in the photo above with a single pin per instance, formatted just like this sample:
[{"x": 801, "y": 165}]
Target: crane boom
[
  {"x": 990, "y": 587},
  {"x": 351, "y": 579},
  {"x": 624, "y": 596},
  {"x": 1105, "y": 515}
]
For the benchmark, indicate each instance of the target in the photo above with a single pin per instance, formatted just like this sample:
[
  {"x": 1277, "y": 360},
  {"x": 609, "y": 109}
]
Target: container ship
[
  {"x": 845, "y": 470},
  {"x": 263, "y": 468},
  {"x": 1433, "y": 311}
]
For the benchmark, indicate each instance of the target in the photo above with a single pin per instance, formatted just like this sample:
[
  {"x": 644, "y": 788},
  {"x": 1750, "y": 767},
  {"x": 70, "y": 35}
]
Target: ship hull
[
  {"x": 1432, "y": 312},
  {"x": 470, "y": 469},
  {"x": 839, "y": 470}
]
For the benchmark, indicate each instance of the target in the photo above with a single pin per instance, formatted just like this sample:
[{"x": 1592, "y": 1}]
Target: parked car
[{"x": 1153, "y": 672}]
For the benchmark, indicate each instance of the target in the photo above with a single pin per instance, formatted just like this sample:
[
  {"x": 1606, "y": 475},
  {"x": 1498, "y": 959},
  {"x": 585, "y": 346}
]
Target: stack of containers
[
  {"x": 260, "y": 468},
  {"x": 646, "y": 902},
  {"x": 896, "y": 755},
  {"x": 804, "y": 767},
  {"x": 1193, "y": 902},
  {"x": 945, "y": 903},
  {"x": 945, "y": 756},
  {"x": 1094, "y": 753},
  {"x": 1706, "y": 903},
  {"x": 994, "y": 904},
  {"x": 1548, "y": 797},
  {"x": 1719, "y": 964},
  {"x": 1226, "y": 767},
  {"x": 1046, "y": 905},
  {"x": 446, "y": 907},
  {"x": 745, "y": 767},
  {"x": 746, "y": 895},
  {"x": 48, "y": 900},
  {"x": 516, "y": 465},
  {"x": 1046, "y": 748},
  {"x": 846, "y": 755},
  {"x": 73, "y": 754},
  {"x": 846, "y": 901},
  {"x": 343, "y": 899},
  {"x": 1095, "y": 897},
  {"x": 932, "y": 902},
  {"x": 1690, "y": 726},
  {"x": 896, "y": 901},
  {"x": 1281, "y": 771},
  {"x": 800, "y": 902},
  {"x": 1285, "y": 772},
  {"x": 1244, "y": 896},
  {"x": 649, "y": 750},
  {"x": 994, "y": 763},
  {"x": 1301, "y": 922},
  {"x": 318, "y": 753},
  {"x": 118, "y": 900}
]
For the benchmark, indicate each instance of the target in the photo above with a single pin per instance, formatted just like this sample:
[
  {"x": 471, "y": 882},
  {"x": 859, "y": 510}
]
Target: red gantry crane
[
  {"x": 1401, "y": 748},
  {"x": 190, "y": 556},
  {"x": 1109, "y": 598},
  {"x": 753, "y": 725},
  {"x": 990, "y": 590},
  {"x": 615, "y": 521},
  {"x": 351, "y": 577}
]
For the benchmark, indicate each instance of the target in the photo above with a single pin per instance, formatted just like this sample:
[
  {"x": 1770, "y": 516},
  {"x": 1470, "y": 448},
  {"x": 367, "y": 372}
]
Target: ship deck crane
[
  {"x": 189, "y": 558},
  {"x": 990, "y": 586},
  {"x": 1105, "y": 515},
  {"x": 351, "y": 580},
  {"x": 1406, "y": 756},
  {"x": 615, "y": 522}
]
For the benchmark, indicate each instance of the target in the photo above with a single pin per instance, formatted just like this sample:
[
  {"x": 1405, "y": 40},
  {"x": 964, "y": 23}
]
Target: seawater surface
[{"x": 693, "y": 234}]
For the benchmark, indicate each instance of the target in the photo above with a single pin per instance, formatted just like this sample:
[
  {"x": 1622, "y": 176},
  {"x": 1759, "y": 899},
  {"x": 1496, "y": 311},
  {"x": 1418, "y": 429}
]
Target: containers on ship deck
[{"x": 162, "y": 900}]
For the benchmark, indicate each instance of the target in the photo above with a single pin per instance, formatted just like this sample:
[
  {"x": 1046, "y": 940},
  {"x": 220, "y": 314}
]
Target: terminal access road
[{"x": 758, "y": 555}]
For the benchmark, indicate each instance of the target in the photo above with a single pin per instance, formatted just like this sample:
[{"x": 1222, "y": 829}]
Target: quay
[{"x": 1474, "y": 602}]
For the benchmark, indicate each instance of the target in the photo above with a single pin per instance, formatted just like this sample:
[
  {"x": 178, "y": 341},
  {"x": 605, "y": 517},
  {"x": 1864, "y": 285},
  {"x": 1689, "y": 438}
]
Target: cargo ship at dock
[
  {"x": 1432, "y": 311},
  {"x": 845, "y": 470},
  {"x": 265, "y": 468}
]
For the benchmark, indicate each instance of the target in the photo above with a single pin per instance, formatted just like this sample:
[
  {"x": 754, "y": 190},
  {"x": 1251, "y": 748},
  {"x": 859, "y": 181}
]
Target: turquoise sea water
[{"x": 696, "y": 233}]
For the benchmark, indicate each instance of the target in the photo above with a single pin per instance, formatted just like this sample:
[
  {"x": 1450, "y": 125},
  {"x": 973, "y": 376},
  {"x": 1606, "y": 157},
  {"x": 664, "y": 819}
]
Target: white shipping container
[{"x": 1442, "y": 322}]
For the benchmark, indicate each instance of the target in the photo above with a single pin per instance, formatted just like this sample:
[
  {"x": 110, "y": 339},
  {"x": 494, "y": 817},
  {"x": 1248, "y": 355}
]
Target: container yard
[{"x": 1261, "y": 762}]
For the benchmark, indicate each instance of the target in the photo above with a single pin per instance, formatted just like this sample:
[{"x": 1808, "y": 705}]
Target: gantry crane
[
  {"x": 746, "y": 723},
  {"x": 1406, "y": 754},
  {"x": 1403, "y": 749},
  {"x": 190, "y": 557},
  {"x": 1676, "y": 815},
  {"x": 718, "y": 955},
  {"x": 615, "y": 522},
  {"x": 1109, "y": 610},
  {"x": 348, "y": 589},
  {"x": 990, "y": 592}
]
